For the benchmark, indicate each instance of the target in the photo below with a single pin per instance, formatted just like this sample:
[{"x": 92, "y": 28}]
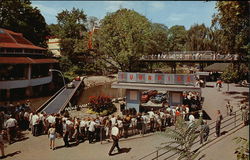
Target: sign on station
[{"x": 156, "y": 78}]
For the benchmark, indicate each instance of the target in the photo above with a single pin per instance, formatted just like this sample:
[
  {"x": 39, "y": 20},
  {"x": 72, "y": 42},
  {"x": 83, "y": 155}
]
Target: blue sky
[{"x": 169, "y": 13}]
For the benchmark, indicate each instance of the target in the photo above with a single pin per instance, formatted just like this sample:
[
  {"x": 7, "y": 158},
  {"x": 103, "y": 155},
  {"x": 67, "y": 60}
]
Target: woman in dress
[{"x": 52, "y": 136}]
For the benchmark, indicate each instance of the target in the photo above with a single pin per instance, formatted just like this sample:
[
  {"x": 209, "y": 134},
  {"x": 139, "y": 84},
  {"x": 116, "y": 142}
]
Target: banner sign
[{"x": 156, "y": 78}]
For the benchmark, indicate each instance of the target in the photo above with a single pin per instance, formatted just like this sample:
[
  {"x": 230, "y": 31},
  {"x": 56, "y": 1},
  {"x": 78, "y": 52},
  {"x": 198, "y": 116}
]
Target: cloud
[
  {"x": 46, "y": 10},
  {"x": 176, "y": 17},
  {"x": 157, "y": 5},
  {"x": 112, "y": 6}
]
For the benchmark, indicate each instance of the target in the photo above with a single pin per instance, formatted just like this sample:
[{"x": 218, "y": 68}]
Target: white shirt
[
  {"x": 26, "y": 115},
  {"x": 11, "y": 122},
  {"x": 191, "y": 118},
  {"x": 113, "y": 121},
  {"x": 30, "y": 117},
  {"x": 82, "y": 123},
  {"x": 151, "y": 114},
  {"x": 119, "y": 122},
  {"x": 35, "y": 119},
  {"x": 68, "y": 122},
  {"x": 162, "y": 114},
  {"x": 114, "y": 131},
  {"x": 92, "y": 126},
  {"x": 51, "y": 119}
]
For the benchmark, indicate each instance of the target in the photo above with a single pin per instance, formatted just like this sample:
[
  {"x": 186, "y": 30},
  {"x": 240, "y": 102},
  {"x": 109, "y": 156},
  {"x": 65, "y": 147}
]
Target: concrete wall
[
  {"x": 133, "y": 99},
  {"x": 25, "y": 83}
]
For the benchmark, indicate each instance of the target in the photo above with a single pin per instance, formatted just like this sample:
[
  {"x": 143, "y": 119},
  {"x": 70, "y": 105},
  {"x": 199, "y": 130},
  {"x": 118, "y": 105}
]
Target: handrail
[{"x": 157, "y": 151}]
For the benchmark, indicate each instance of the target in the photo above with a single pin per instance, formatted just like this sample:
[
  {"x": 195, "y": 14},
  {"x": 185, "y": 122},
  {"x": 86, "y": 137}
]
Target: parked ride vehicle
[
  {"x": 70, "y": 85},
  {"x": 159, "y": 98},
  {"x": 147, "y": 94},
  {"x": 152, "y": 93},
  {"x": 144, "y": 97}
]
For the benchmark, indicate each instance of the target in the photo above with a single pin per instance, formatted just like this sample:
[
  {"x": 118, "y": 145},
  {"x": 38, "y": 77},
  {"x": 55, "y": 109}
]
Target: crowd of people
[
  {"x": 73, "y": 129},
  {"x": 99, "y": 128}
]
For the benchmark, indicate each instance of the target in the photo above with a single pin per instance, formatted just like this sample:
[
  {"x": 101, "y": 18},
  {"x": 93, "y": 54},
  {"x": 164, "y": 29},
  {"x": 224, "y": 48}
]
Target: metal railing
[
  {"x": 193, "y": 56},
  {"x": 163, "y": 152}
]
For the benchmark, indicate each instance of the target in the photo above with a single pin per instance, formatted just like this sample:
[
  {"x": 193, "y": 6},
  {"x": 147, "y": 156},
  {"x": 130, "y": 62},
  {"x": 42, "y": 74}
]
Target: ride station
[{"x": 172, "y": 86}]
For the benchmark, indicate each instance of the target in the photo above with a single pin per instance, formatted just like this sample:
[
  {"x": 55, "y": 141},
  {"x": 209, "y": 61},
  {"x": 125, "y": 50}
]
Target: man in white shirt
[
  {"x": 83, "y": 125},
  {"x": 92, "y": 125},
  {"x": 115, "y": 137},
  {"x": 113, "y": 120},
  {"x": 11, "y": 124},
  {"x": 152, "y": 119},
  {"x": 35, "y": 122},
  {"x": 51, "y": 119}
]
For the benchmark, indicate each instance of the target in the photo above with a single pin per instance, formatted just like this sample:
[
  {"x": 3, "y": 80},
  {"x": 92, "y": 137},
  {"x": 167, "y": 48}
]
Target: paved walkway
[{"x": 36, "y": 148}]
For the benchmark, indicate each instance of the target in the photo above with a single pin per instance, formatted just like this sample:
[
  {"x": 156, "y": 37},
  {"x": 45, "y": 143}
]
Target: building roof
[
  {"x": 159, "y": 87},
  {"x": 10, "y": 39},
  {"x": 217, "y": 67},
  {"x": 25, "y": 60}
]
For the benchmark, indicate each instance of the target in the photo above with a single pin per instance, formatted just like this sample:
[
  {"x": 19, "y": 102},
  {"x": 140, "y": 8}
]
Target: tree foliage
[
  {"x": 158, "y": 42},
  {"x": 72, "y": 32},
  {"x": 182, "y": 139},
  {"x": 242, "y": 150},
  {"x": 198, "y": 38},
  {"x": 177, "y": 38},
  {"x": 233, "y": 19},
  {"x": 122, "y": 38},
  {"x": 20, "y": 16}
]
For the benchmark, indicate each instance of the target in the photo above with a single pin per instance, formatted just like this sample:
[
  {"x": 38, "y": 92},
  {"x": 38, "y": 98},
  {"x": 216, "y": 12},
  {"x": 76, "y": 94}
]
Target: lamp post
[{"x": 55, "y": 70}]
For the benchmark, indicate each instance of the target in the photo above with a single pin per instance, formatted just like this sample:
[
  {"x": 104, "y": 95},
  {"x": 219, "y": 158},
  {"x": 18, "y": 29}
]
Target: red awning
[
  {"x": 44, "y": 61},
  {"x": 16, "y": 45},
  {"x": 24, "y": 60},
  {"x": 15, "y": 60}
]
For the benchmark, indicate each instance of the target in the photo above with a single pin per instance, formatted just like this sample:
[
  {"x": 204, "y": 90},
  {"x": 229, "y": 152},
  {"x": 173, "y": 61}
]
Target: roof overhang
[
  {"x": 159, "y": 87},
  {"x": 25, "y": 60}
]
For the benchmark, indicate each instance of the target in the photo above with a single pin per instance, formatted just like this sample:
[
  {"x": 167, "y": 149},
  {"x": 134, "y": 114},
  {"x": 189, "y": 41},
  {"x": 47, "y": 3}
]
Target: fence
[
  {"x": 191, "y": 56},
  {"x": 227, "y": 122}
]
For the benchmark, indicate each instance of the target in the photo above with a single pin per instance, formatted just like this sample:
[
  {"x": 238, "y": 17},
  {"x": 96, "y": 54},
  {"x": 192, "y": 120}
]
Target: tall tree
[
  {"x": 177, "y": 38},
  {"x": 122, "y": 38},
  {"x": 158, "y": 42},
  {"x": 198, "y": 38},
  {"x": 72, "y": 32},
  {"x": 233, "y": 19},
  {"x": 20, "y": 16}
]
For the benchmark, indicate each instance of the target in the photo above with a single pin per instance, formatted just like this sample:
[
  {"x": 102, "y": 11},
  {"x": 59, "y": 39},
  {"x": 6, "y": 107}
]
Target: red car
[
  {"x": 144, "y": 98},
  {"x": 146, "y": 95}
]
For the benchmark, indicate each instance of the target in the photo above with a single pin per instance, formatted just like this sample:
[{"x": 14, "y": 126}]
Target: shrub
[{"x": 101, "y": 104}]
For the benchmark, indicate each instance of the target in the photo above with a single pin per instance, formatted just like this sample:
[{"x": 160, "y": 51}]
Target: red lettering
[
  {"x": 131, "y": 76},
  {"x": 122, "y": 76},
  {"x": 140, "y": 77},
  {"x": 159, "y": 78},
  {"x": 179, "y": 78},
  {"x": 149, "y": 78},
  {"x": 168, "y": 78},
  {"x": 188, "y": 79}
]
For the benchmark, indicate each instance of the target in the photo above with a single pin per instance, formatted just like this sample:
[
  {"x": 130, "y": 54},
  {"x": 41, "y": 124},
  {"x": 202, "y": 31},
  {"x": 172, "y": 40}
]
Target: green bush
[{"x": 102, "y": 105}]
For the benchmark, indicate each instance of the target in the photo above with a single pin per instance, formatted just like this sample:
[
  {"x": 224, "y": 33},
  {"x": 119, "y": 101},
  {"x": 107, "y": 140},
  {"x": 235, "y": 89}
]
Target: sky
[{"x": 169, "y": 13}]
